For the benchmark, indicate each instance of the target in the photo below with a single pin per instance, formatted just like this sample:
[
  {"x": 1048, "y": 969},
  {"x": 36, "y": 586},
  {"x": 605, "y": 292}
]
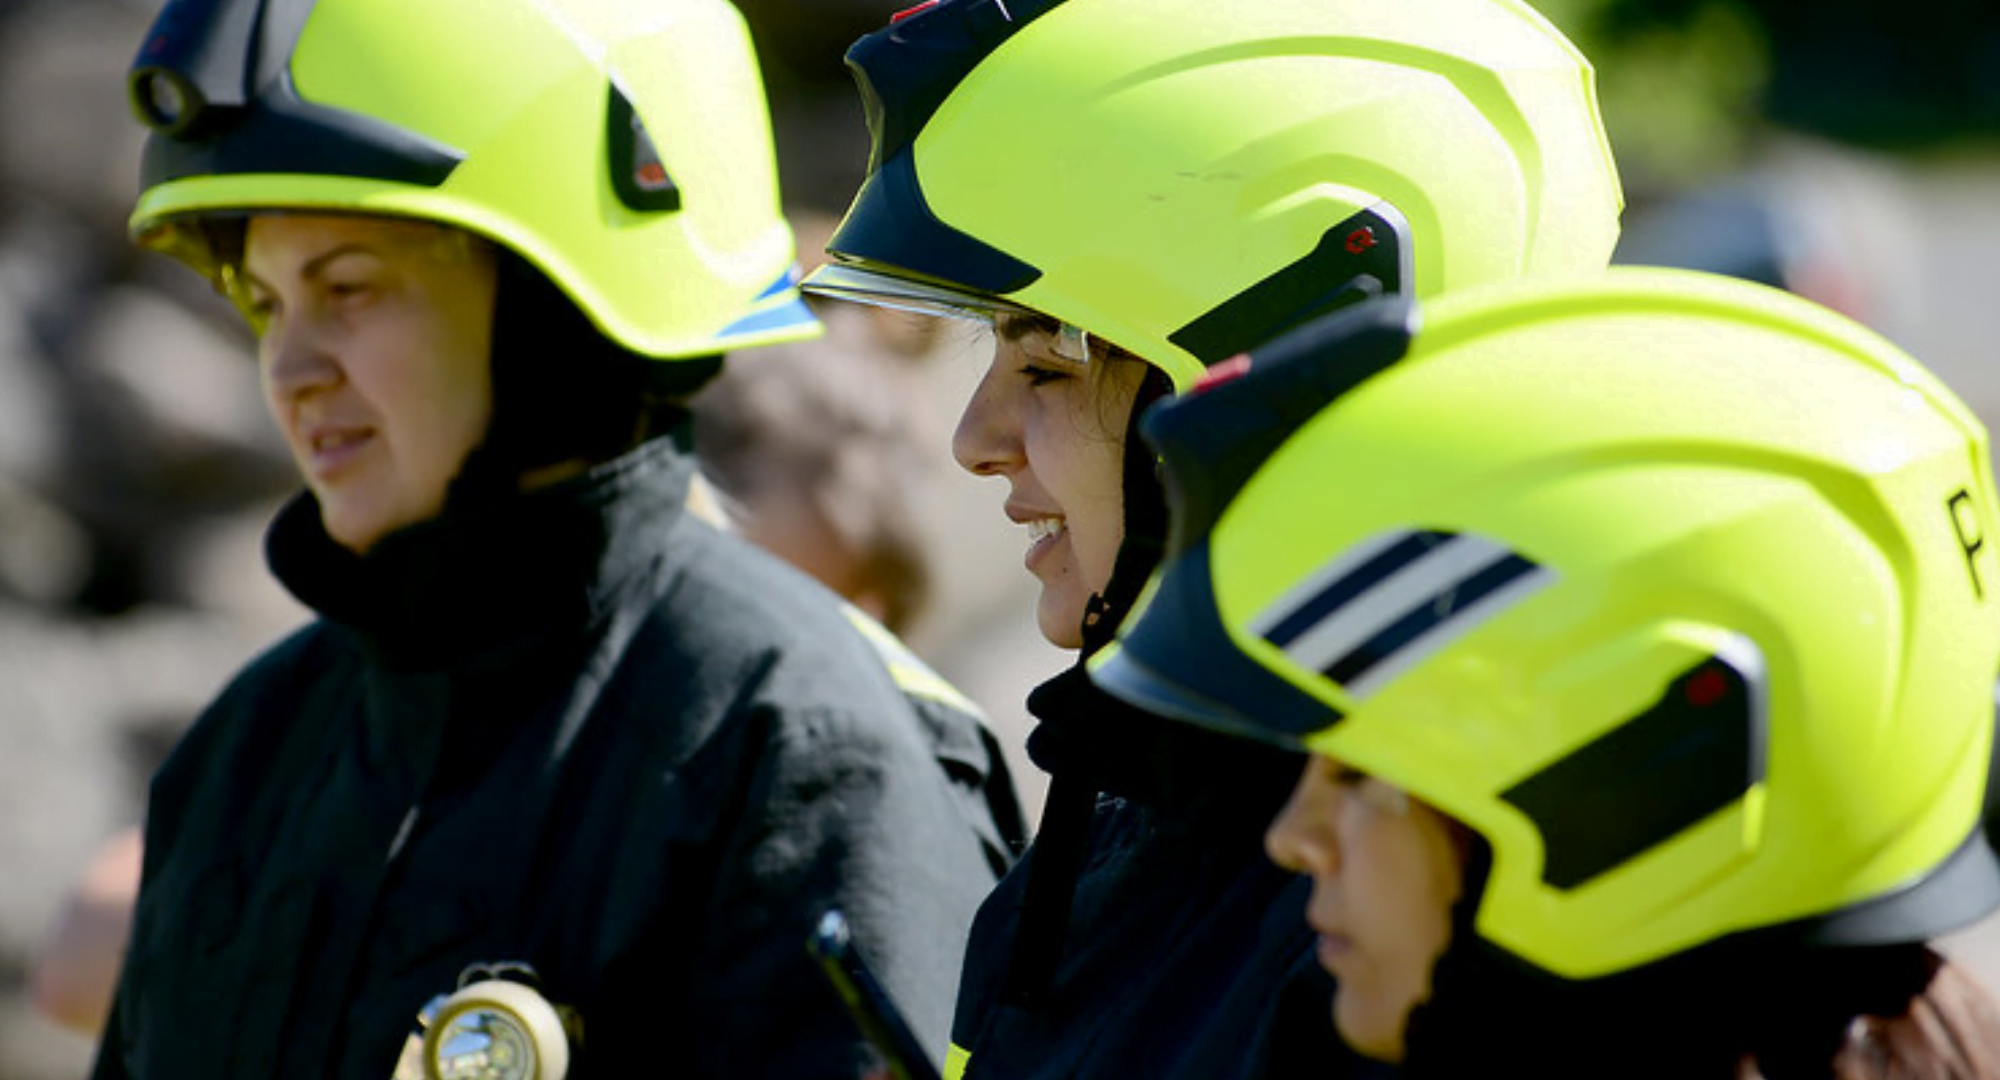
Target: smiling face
[
  {"x": 1055, "y": 429},
  {"x": 374, "y": 341},
  {"x": 1386, "y": 871}
]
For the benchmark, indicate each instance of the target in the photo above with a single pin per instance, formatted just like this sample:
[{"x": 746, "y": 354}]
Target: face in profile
[
  {"x": 1386, "y": 871},
  {"x": 374, "y": 342},
  {"x": 1055, "y": 429}
]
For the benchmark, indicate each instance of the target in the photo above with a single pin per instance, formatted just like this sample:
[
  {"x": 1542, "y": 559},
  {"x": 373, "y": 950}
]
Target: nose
[
  {"x": 1302, "y": 837},
  {"x": 987, "y": 441},
  {"x": 297, "y": 360}
]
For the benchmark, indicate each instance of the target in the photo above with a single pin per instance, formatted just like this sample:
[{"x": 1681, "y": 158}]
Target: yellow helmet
[
  {"x": 622, "y": 149},
  {"x": 1680, "y": 591},
  {"x": 1187, "y": 178}
]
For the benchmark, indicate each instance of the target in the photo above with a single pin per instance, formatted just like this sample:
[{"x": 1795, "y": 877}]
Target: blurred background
[{"x": 1848, "y": 150}]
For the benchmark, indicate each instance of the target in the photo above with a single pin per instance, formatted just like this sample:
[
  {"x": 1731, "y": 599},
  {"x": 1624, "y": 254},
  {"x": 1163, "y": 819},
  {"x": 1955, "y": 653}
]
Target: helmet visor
[{"x": 878, "y": 289}]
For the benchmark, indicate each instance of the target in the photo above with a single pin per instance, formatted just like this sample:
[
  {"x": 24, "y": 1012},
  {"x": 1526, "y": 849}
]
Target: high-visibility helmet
[
  {"x": 1681, "y": 592},
  {"x": 1186, "y": 178},
  {"x": 622, "y": 149}
]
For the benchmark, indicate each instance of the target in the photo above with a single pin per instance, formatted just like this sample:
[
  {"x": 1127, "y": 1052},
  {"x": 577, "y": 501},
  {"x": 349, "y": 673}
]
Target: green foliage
[{"x": 1679, "y": 81}]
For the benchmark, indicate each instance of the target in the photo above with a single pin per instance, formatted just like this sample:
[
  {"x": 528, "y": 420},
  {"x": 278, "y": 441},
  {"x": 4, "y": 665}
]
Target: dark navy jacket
[
  {"x": 578, "y": 729},
  {"x": 1177, "y": 951}
]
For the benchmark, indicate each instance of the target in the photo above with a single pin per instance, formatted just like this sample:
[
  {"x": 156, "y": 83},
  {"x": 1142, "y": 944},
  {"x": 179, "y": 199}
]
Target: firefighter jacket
[
  {"x": 1145, "y": 933},
  {"x": 574, "y": 728}
]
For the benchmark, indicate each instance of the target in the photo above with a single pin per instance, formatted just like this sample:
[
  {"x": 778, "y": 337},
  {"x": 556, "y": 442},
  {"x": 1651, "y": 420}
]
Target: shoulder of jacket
[
  {"x": 290, "y": 663},
  {"x": 732, "y": 589},
  {"x": 252, "y": 715},
  {"x": 257, "y": 705},
  {"x": 738, "y": 607},
  {"x": 912, "y": 676}
]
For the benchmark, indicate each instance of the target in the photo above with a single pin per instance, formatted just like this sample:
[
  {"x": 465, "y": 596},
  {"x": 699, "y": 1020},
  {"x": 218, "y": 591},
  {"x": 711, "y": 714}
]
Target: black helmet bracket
[{"x": 212, "y": 81}]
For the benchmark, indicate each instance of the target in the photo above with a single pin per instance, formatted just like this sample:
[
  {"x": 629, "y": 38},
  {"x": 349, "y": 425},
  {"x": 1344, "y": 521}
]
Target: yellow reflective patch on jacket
[
  {"x": 955, "y": 1061},
  {"x": 913, "y": 676}
]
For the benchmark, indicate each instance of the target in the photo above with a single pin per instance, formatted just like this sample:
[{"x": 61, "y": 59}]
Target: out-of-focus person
[{"x": 817, "y": 448}]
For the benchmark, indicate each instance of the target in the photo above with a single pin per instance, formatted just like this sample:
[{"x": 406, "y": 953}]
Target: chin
[
  {"x": 354, "y": 528},
  {"x": 1061, "y": 623},
  {"x": 358, "y": 516},
  {"x": 1369, "y": 1034}
]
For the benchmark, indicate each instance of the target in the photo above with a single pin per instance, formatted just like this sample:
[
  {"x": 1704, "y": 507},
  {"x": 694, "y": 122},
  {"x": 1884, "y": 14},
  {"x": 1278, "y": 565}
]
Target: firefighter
[
  {"x": 1131, "y": 191},
  {"x": 550, "y": 729},
  {"x": 1642, "y": 635}
]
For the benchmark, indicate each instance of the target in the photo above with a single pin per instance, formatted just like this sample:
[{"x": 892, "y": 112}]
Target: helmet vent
[
  {"x": 1694, "y": 751},
  {"x": 637, "y": 174},
  {"x": 1362, "y": 257}
]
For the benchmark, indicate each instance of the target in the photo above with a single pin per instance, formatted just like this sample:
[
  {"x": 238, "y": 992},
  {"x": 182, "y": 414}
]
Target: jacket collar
[{"x": 484, "y": 577}]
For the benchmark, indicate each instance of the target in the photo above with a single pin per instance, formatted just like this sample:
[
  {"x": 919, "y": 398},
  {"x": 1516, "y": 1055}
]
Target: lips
[
  {"x": 1044, "y": 534},
  {"x": 329, "y": 447},
  {"x": 1332, "y": 949},
  {"x": 1333, "y": 945},
  {"x": 1045, "y": 531},
  {"x": 329, "y": 442}
]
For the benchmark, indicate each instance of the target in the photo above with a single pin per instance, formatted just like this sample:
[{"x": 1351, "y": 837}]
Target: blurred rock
[
  {"x": 86, "y": 712},
  {"x": 44, "y": 553},
  {"x": 68, "y": 137}
]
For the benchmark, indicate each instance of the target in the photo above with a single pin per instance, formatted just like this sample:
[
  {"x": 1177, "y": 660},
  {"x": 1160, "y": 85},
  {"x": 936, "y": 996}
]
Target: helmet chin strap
[{"x": 1145, "y": 519}]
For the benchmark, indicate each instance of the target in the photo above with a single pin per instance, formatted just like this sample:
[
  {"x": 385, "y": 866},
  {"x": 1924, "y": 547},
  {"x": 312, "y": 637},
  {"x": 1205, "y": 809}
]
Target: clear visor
[{"x": 862, "y": 286}]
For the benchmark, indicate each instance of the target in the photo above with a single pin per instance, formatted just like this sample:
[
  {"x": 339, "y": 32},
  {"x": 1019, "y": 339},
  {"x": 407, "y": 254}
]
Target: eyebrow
[{"x": 1016, "y": 325}]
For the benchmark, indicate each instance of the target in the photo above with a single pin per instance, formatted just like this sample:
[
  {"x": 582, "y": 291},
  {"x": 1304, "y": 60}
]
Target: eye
[
  {"x": 258, "y": 309},
  {"x": 1347, "y": 775},
  {"x": 348, "y": 288},
  {"x": 1339, "y": 773},
  {"x": 1042, "y": 374}
]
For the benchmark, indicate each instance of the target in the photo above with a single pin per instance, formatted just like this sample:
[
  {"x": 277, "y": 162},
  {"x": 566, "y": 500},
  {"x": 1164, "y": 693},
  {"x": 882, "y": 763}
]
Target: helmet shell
[
  {"x": 1131, "y": 166},
  {"x": 1675, "y": 589},
  {"x": 623, "y": 149}
]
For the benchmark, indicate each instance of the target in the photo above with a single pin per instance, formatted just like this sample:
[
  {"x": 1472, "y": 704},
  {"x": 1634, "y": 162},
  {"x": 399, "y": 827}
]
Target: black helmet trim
[
  {"x": 905, "y": 71},
  {"x": 278, "y": 132},
  {"x": 1364, "y": 256},
  {"x": 1211, "y": 442},
  {"x": 192, "y": 85},
  {"x": 891, "y": 229},
  {"x": 195, "y": 61},
  {"x": 1166, "y": 662},
  {"x": 1959, "y": 892},
  {"x": 1698, "y": 749}
]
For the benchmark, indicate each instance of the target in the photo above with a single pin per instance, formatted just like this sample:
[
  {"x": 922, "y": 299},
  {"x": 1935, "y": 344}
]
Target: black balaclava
[
  {"x": 1090, "y": 742},
  {"x": 1145, "y": 514},
  {"x": 563, "y": 390}
]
